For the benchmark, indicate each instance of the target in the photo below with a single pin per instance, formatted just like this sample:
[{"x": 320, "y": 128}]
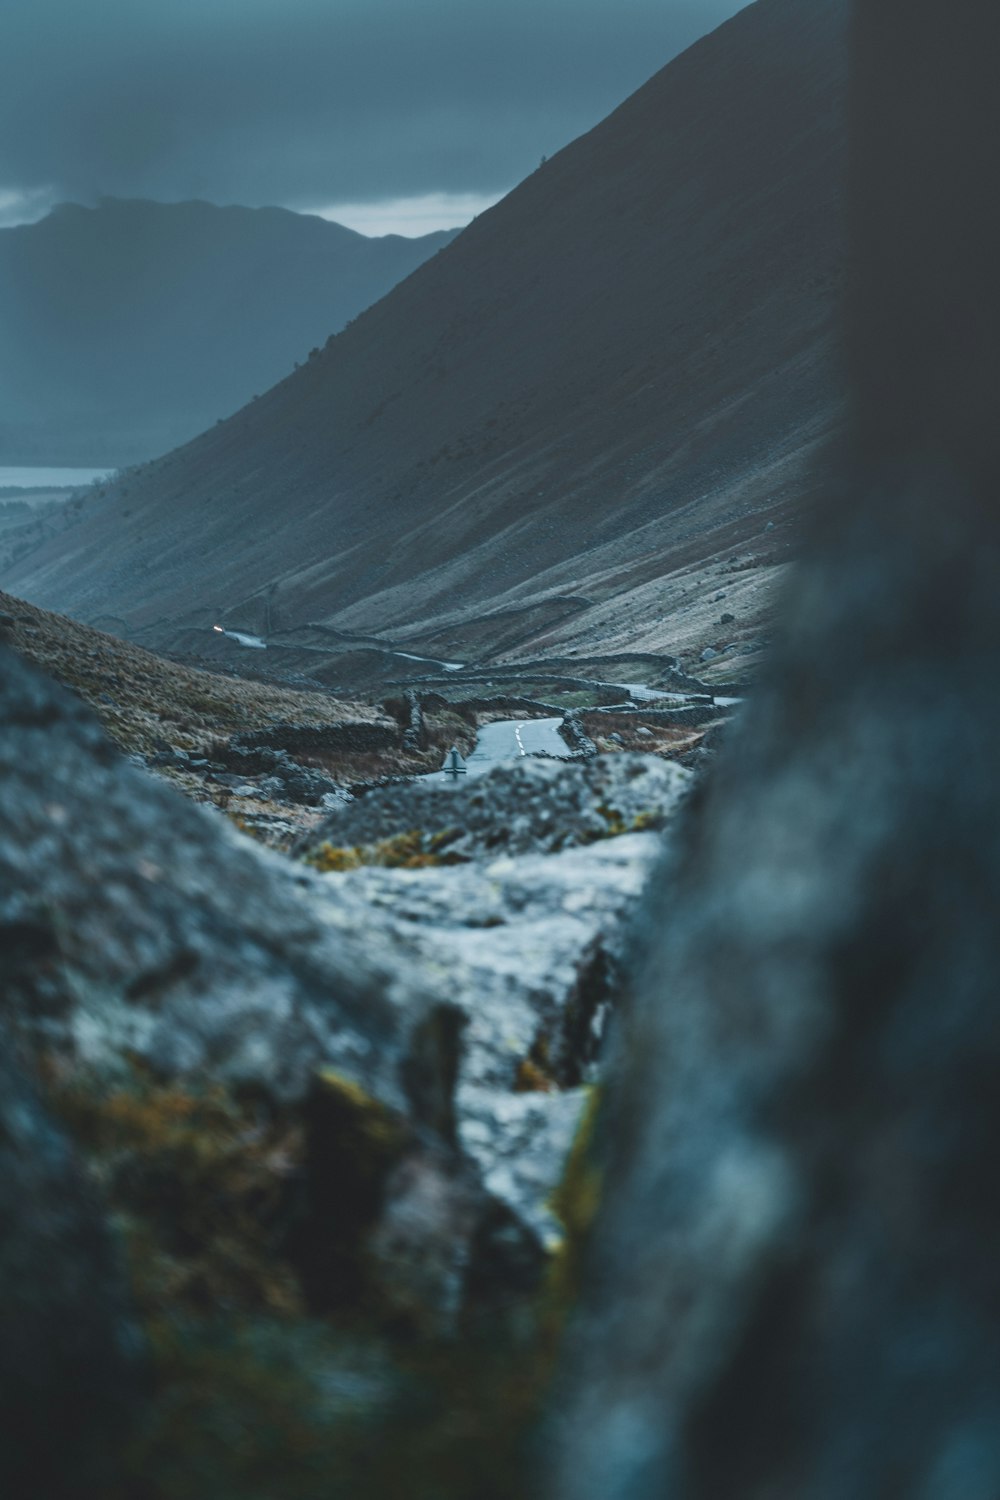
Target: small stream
[
  {"x": 257, "y": 643},
  {"x": 242, "y": 636},
  {"x": 432, "y": 661}
]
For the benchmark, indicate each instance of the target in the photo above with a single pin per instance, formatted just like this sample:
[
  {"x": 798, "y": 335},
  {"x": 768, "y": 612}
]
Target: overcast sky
[{"x": 400, "y": 115}]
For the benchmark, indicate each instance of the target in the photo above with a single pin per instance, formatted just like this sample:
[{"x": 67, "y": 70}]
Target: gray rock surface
[
  {"x": 267, "y": 772},
  {"x": 520, "y": 1143},
  {"x": 532, "y": 951},
  {"x": 139, "y": 929},
  {"x": 576, "y": 736},
  {"x": 530, "y": 806},
  {"x": 135, "y": 921},
  {"x": 70, "y": 1359}
]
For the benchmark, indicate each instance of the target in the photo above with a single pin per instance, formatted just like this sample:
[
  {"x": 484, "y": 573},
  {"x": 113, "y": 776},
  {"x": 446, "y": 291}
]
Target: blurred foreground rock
[
  {"x": 795, "y": 1286},
  {"x": 294, "y": 1094},
  {"x": 71, "y": 1358}
]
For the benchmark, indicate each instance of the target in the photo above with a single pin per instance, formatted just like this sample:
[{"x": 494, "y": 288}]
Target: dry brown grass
[
  {"x": 144, "y": 701},
  {"x": 666, "y": 740}
]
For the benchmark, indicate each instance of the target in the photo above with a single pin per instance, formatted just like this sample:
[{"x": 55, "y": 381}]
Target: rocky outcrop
[
  {"x": 134, "y": 921},
  {"x": 532, "y": 944},
  {"x": 531, "y": 949},
  {"x": 294, "y": 1091},
  {"x": 264, "y": 773},
  {"x": 531, "y": 806},
  {"x": 147, "y": 947}
]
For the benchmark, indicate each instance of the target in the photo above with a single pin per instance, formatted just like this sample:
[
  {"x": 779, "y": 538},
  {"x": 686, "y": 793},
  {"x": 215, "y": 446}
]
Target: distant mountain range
[
  {"x": 128, "y": 328},
  {"x": 588, "y": 422}
]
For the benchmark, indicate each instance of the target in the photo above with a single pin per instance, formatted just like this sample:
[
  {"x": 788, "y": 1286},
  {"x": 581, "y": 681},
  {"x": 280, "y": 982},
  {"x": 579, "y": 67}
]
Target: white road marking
[{"x": 493, "y": 745}]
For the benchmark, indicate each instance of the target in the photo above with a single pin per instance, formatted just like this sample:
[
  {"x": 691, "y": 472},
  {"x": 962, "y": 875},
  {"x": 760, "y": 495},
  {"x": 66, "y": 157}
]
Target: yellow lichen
[
  {"x": 577, "y": 1198},
  {"x": 330, "y": 860},
  {"x": 196, "y": 1183},
  {"x": 575, "y": 1203},
  {"x": 413, "y": 850},
  {"x": 370, "y": 1118}
]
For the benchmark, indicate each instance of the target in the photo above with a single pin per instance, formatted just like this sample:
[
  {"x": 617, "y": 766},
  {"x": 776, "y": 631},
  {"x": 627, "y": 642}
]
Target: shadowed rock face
[
  {"x": 795, "y": 1287},
  {"x": 71, "y": 1361}
]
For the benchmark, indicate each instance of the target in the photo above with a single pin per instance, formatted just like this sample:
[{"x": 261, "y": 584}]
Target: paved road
[{"x": 509, "y": 739}]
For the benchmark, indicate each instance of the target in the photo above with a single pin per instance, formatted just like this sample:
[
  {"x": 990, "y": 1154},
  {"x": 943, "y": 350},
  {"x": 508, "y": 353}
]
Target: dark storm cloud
[{"x": 305, "y": 102}]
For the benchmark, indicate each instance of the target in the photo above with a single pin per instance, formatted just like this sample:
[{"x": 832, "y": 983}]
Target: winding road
[
  {"x": 257, "y": 642},
  {"x": 509, "y": 739}
]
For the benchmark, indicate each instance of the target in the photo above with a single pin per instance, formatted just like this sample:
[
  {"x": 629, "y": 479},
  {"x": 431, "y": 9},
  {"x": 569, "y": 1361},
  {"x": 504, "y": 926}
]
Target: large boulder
[
  {"x": 795, "y": 1285},
  {"x": 410, "y": 1049}
]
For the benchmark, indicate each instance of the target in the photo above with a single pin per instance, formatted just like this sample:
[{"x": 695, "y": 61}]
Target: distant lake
[{"x": 49, "y": 479}]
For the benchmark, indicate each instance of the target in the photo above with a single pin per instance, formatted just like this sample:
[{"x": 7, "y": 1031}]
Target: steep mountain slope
[
  {"x": 128, "y": 328},
  {"x": 596, "y": 400}
]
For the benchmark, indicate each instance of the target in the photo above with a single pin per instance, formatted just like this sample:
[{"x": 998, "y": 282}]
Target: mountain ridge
[
  {"x": 611, "y": 385},
  {"x": 132, "y": 325}
]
